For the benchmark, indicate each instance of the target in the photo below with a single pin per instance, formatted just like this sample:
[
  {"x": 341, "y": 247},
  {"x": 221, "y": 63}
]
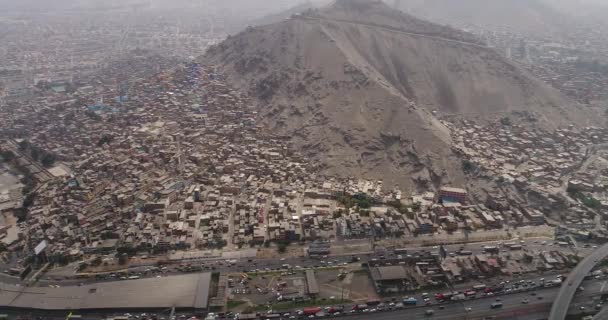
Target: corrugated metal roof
[
  {"x": 311, "y": 282},
  {"x": 184, "y": 291}
]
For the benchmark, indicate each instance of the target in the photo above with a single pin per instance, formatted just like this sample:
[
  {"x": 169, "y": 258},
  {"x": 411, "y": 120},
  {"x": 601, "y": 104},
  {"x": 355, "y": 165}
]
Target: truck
[
  {"x": 458, "y": 297},
  {"x": 400, "y": 251},
  {"x": 311, "y": 311},
  {"x": 465, "y": 253},
  {"x": 491, "y": 249},
  {"x": 359, "y": 307},
  {"x": 479, "y": 287}
]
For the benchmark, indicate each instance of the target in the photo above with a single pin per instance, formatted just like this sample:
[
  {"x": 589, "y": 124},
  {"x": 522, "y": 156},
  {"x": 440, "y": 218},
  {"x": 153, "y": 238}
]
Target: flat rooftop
[{"x": 183, "y": 291}]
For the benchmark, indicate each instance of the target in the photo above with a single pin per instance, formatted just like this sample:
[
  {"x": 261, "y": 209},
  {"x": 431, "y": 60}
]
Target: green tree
[
  {"x": 282, "y": 246},
  {"x": 48, "y": 159},
  {"x": 8, "y": 155},
  {"x": 24, "y": 145},
  {"x": 35, "y": 153},
  {"x": 468, "y": 166},
  {"x": 105, "y": 139}
]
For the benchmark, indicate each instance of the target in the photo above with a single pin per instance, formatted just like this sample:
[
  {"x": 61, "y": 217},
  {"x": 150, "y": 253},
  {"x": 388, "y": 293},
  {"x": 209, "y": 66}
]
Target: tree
[
  {"x": 105, "y": 139},
  {"x": 282, "y": 246},
  {"x": 20, "y": 214},
  {"x": 28, "y": 200},
  {"x": 468, "y": 166},
  {"x": 416, "y": 206},
  {"x": 35, "y": 153},
  {"x": 8, "y": 155},
  {"x": 96, "y": 261},
  {"x": 128, "y": 250},
  {"x": 24, "y": 145},
  {"x": 122, "y": 259},
  {"x": 337, "y": 214},
  {"x": 48, "y": 159}
]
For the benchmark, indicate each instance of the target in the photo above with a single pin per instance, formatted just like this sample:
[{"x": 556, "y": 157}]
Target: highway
[
  {"x": 560, "y": 307},
  {"x": 513, "y": 307},
  {"x": 218, "y": 264},
  {"x": 602, "y": 315}
]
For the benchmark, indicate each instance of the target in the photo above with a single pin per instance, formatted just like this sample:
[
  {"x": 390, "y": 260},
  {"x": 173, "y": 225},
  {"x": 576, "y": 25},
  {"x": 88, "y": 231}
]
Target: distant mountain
[
  {"x": 360, "y": 88},
  {"x": 534, "y": 17}
]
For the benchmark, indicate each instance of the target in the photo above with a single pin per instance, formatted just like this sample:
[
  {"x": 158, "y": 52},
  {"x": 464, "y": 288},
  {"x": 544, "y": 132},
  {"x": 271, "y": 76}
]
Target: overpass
[
  {"x": 559, "y": 309},
  {"x": 601, "y": 315}
]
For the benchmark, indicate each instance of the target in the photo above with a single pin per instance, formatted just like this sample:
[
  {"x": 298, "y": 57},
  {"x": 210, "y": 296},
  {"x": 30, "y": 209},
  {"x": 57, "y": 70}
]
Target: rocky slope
[{"x": 359, "y": 87}]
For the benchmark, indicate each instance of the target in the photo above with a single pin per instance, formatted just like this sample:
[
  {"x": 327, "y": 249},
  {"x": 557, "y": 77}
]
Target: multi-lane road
[
  {"x": 514, "y": 308},
  {"x": 559, "y": 310},
  {"x": 251, "y": 264}
]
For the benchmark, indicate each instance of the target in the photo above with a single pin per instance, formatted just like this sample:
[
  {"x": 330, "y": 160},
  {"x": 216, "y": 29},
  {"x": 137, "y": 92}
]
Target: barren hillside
[{"x": 359, "y": 88}]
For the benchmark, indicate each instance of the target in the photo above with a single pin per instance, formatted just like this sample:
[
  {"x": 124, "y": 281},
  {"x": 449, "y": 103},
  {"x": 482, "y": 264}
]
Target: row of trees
[{"x": 47, "y": 159}]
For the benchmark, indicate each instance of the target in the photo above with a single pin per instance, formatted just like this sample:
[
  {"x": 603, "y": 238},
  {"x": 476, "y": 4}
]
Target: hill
[{"x": 359, "y": 88}]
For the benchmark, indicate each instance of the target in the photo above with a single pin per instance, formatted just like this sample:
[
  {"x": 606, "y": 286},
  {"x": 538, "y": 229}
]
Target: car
[
  {"x": 496, "y": 305},
  {"x": 468, "y": 309},
  {"x": 525, "y": 301}
]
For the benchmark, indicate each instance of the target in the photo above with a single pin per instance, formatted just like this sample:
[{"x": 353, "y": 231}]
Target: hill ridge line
[{"x": 389, "y": 29}]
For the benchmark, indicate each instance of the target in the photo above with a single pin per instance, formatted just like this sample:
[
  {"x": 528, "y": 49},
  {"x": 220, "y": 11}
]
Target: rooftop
[{"x": 184, "y": 291}]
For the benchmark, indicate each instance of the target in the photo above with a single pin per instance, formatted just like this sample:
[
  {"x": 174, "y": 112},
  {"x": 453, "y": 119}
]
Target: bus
[
  {"x": 479, "y": 287},
  {"x": 491, "y": 249},
  {"x": 400, "y": 251}
]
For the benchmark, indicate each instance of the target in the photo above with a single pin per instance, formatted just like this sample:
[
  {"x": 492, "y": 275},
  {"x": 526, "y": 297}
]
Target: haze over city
[{"x": 288, "y": 159}]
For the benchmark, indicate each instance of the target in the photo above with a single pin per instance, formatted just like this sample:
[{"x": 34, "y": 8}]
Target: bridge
[{"x": 559, "y": 309}]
